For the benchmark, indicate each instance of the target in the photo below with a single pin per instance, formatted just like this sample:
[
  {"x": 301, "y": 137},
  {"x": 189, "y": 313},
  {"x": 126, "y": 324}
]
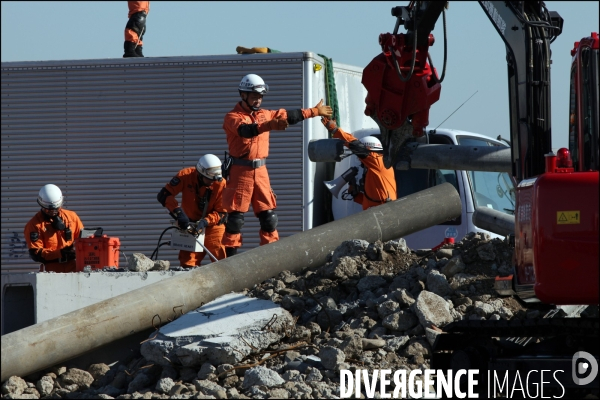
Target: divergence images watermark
[{"x": 463, "y": 383}]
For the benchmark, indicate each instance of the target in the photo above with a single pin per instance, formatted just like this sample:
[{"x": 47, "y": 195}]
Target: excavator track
[
  {"x": 517, "y": 348},
  {"x": 541, "y": 327}
]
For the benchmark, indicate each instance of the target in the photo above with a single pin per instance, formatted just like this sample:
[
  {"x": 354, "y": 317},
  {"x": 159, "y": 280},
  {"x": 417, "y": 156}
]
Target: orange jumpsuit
[
  {"x": 47, "y": 242},
  {"x": 134, "y": 7},
  {"x": 380, "y": 182},
  {"x": 247, "y": 185},
  {"x": 187, "y": 183}
]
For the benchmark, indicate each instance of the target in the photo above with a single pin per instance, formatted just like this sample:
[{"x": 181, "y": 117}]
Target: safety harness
[
  {"x": 203, "y": 200},
  {"x": 361, "y": 187}
]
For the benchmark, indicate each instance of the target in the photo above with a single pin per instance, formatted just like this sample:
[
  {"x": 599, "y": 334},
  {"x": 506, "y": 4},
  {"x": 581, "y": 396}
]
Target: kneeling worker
[
  {"x": 378, "y": 183},
  {"x": 51, "y": 233},
  {"x": 201, "y": 200}
]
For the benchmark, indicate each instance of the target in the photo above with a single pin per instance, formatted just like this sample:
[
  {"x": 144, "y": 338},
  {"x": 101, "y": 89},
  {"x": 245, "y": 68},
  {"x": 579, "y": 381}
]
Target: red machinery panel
[{"x": 563, "y": 237}]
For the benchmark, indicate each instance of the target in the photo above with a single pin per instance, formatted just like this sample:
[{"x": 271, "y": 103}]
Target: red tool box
[{"x": 97, "y": 251}]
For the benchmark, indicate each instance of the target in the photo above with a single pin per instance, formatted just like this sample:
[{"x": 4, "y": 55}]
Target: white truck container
[{"x": 112, "y": 132}]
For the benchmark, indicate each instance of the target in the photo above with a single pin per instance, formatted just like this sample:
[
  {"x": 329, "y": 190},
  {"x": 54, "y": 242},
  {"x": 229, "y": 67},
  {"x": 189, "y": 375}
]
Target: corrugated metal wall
[{"x": 112, "y": 136}]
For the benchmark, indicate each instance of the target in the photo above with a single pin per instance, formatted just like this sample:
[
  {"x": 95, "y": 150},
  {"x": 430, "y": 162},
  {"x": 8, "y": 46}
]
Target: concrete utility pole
[
  {"x": 446, "y": 156},
  {"x": 51, "y": 342},
  {"x": 494, "y": 221},
  {"x": 426, "y": 156}
]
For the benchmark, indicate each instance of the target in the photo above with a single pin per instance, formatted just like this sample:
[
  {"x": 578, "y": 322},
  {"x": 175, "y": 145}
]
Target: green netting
[
  {"x": 330, "y": 89},
  {"x": 332, "y": 101}
]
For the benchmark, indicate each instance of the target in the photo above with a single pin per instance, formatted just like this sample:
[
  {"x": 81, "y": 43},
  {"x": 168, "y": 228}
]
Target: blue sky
[{"x": 347, "y": 32}]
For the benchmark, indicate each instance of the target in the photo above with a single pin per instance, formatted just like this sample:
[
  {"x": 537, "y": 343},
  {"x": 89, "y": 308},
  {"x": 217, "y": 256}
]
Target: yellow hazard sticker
[{"x": 568, "y": 217}]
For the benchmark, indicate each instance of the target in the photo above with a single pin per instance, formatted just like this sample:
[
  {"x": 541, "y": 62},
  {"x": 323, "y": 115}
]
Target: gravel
[{"x": 372, "y": 306}]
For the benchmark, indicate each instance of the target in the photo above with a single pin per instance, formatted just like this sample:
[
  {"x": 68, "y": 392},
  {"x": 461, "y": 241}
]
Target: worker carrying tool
[
  {"x": 378, "y": 184},
  {"x": 201, "y": 189},
  {"x": 247, "y": 127},
  {"x": 51, "y": 233},
  {"x": 135, "y": 28}
]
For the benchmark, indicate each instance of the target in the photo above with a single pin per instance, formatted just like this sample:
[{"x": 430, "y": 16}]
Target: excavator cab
[
  {"x": 556, "y": 242},
  {"x": 583, "y": 105}
]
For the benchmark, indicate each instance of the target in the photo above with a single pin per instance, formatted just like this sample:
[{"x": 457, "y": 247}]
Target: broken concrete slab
[{"x": 223, "y": 331}]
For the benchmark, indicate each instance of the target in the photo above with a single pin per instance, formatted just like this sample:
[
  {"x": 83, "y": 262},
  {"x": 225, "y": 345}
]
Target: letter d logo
[{"x": 580, "y": 367}]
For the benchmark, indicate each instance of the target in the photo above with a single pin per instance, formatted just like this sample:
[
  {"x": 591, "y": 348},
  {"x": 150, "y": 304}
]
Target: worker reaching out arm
[
  {"x": 247, "y": 127},
  {"x": 379, "y": 182},
  {"x": 135, "y": 28}
]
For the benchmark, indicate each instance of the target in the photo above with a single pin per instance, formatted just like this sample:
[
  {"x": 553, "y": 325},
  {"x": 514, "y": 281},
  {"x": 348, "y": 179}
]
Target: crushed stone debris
[{"x": 371, "y": 306}]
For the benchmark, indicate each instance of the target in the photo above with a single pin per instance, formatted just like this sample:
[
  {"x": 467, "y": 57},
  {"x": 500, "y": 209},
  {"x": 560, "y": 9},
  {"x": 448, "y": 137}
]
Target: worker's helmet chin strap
[{"x": 248, "y": 104}]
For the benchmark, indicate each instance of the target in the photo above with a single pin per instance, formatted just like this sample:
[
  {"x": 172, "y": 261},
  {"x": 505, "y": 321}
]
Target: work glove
[
  {"x": 322, "y": 111},
  {"x": 58, "y": 223},
  {"x": 352, "y": 190},
  {"x": 67, "y": 254},
  {"x": 358, "y": 148},
  {"x": 182, "y": 220},
  {"x": 278, "y": 124},
  {"x": 202, "y": 224},
  {"x": 329, "y": 124}
]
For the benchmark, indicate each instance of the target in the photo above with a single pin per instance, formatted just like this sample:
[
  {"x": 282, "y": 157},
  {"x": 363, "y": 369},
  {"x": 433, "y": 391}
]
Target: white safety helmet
[
  {"x": 50, "y": 197},
  {"x": 253, "y": 83},
  {"x": 209, "y": 166},
  {"x": 372, "y": 143}
]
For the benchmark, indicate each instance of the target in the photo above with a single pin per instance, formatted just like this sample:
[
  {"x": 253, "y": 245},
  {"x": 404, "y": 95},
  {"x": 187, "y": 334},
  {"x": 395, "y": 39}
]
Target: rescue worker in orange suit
[
  {"x": 51, "y": 233},
  {"x": 201, "y": 189},
  {"x": 247, "y": 127},
  {"x": 135, "y": 28},
  {"x": 378, "y": 183}
]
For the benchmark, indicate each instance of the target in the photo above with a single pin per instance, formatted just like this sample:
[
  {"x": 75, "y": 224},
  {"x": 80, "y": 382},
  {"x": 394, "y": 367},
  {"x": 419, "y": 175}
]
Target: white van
[{"x": 495, "y": 190}]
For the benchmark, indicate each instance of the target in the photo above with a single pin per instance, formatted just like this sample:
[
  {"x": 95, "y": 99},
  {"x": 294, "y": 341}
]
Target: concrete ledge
[{"x": 56, "y": 294}]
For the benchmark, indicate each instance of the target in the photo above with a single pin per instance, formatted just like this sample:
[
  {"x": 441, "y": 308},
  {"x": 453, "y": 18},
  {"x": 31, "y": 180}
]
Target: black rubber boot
[
  {"x": 138, "y": 51},
  {"x": 230, "y": 251},
  {"x": 129, "y": 50}
]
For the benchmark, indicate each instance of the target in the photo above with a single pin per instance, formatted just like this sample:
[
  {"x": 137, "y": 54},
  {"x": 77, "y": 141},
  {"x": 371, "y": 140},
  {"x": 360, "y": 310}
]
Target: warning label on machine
[{"x": 568, "y": 217}]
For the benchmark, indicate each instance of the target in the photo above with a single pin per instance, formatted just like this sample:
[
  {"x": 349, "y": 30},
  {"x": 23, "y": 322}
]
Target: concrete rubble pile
[{"x": 372, "y": 306}]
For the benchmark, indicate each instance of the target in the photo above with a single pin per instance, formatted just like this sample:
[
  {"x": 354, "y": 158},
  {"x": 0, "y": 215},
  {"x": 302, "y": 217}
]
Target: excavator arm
[
  {"x": 402, "y": 85},
  {"x": 400, "y": 82}
]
